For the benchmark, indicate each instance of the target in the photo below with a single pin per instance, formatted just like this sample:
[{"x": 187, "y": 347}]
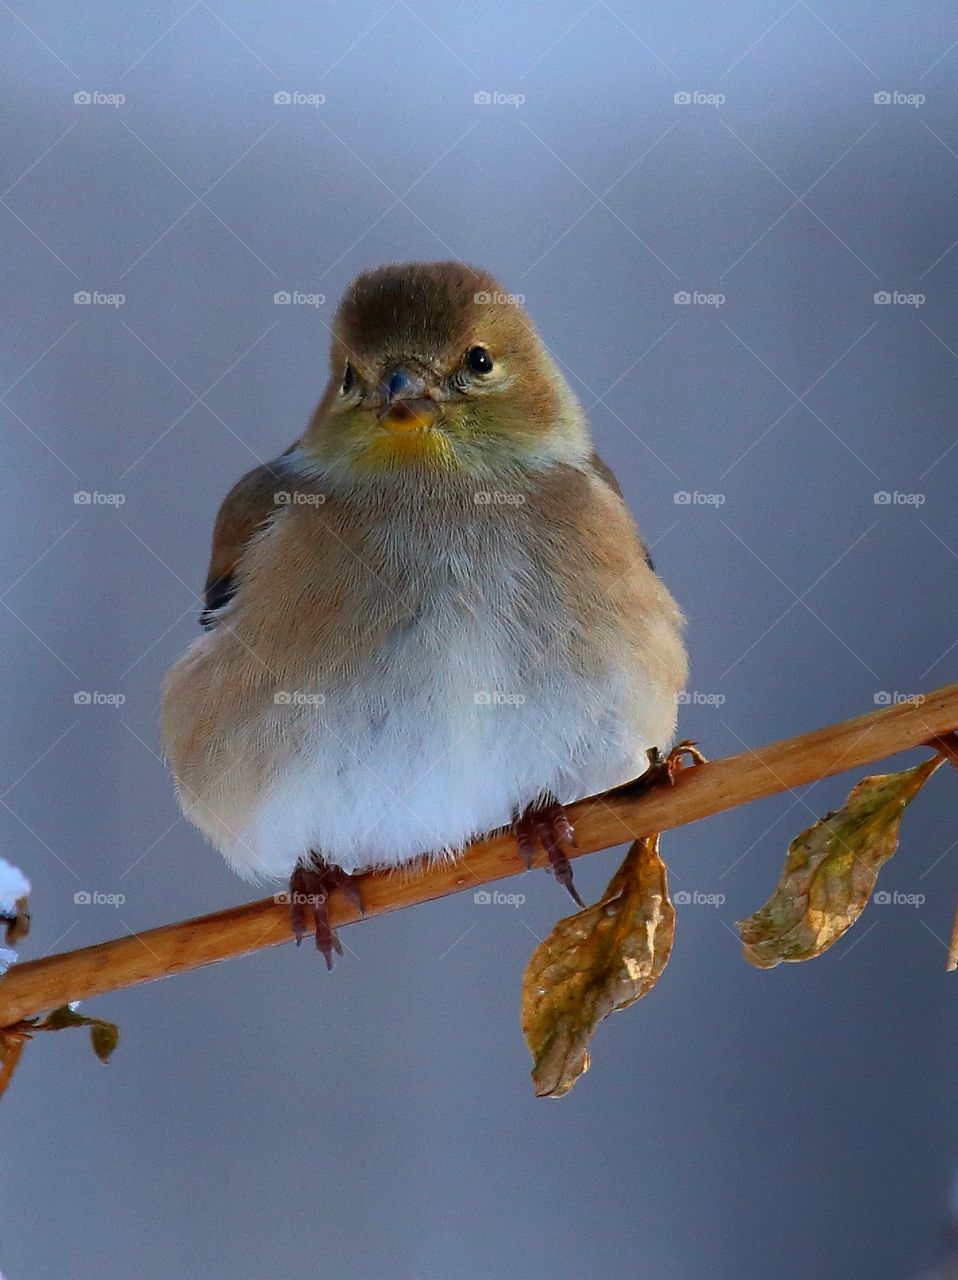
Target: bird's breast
[{"x": 401, "y": 687}]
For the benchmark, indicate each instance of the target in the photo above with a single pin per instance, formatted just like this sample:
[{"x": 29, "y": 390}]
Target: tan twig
[{"x": 600, "y": 822}]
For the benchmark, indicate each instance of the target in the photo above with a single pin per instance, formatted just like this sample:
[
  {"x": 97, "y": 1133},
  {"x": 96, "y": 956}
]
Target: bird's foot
[
  {"x": 310, "y": 885},
  {"x": 663, "y": 770},
  {"x": 549, "y": 824}
]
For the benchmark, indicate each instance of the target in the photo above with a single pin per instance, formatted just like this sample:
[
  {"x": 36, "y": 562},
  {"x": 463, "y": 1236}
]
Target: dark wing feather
[{"x": 246, "y": 508}]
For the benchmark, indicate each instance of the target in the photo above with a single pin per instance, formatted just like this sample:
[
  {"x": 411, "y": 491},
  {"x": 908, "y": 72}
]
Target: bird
[{"x": 432, "y": 617}]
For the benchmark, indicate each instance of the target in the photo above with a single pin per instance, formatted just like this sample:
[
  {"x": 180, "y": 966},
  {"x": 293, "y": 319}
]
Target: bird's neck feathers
[{"x": 493, "y": 449}]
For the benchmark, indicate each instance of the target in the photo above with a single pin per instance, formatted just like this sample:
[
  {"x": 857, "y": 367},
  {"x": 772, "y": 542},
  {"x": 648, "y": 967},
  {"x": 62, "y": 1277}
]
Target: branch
[{"x": 616, "y": 817}]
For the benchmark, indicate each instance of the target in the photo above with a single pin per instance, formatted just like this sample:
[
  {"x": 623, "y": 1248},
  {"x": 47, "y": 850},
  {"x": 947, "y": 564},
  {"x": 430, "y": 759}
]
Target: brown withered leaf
[
  {"x": 104, "y": 1035},
  {"x": 594, "y": 963},
  {"x": 830, "y": 871},
  {"x": 16, "y": 924}
]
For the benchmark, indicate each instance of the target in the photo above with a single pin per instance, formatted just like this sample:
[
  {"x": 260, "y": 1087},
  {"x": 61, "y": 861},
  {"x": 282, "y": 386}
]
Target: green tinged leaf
[
  {"x": 57, "y": 1019},
  {"x": 830, "y": 871},
  {"x": 104, "y": 1037},
  {"x": 594, "y": 963}
]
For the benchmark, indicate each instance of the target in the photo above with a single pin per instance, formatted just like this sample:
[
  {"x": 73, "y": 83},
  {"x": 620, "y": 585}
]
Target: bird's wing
[
  {"x": 246, "y": 508},
  {"x": 607, "y": 476}
]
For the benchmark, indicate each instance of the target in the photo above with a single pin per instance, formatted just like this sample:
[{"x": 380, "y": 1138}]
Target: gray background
[{"x": 261, "y": 1118}]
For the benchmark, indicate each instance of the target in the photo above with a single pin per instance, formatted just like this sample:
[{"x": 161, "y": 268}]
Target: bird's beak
[{"x": 407, "y": 404}]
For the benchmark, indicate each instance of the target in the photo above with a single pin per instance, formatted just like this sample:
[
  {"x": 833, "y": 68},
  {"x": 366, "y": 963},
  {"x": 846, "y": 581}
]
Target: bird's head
[{"x": 435, "y": 365}]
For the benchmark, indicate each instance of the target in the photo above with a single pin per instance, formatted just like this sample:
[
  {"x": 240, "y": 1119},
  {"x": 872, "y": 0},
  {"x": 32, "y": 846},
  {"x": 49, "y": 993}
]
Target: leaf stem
[{"x": 947, "y": 745}]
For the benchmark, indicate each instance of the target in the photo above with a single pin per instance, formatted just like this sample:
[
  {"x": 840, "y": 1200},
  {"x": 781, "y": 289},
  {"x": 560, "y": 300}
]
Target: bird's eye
[
  {"x": 479, "y": 360},
  {"x": 349, "y": 379}
]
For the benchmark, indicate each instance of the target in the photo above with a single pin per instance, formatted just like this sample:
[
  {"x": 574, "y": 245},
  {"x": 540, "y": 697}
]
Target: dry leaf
[
  {"x": 104, "y": 1035},
  {"x": 830, "y": 871},
  {"x": 594, "y": 963},
  {"x": 16, "y": 923}
]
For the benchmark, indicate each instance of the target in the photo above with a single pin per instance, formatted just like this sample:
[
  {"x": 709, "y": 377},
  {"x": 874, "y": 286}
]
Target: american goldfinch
[{"x": 431, "y": 617}]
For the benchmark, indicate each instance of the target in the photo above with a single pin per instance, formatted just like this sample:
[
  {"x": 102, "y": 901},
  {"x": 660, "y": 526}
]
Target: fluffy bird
[{"x": 430, "y": 618}]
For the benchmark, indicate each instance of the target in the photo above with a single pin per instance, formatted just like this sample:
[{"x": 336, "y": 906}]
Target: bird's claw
[
  {"x": 666, "y": 770},
  {"x": 550, "y": 826},
  {"x": 309, "y": 888},
  {"x": 663, "y": 770}
]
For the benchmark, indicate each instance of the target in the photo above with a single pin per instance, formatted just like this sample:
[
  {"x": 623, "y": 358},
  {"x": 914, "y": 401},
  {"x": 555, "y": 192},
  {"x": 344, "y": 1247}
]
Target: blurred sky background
[{"x": 263, "y": 1118}]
